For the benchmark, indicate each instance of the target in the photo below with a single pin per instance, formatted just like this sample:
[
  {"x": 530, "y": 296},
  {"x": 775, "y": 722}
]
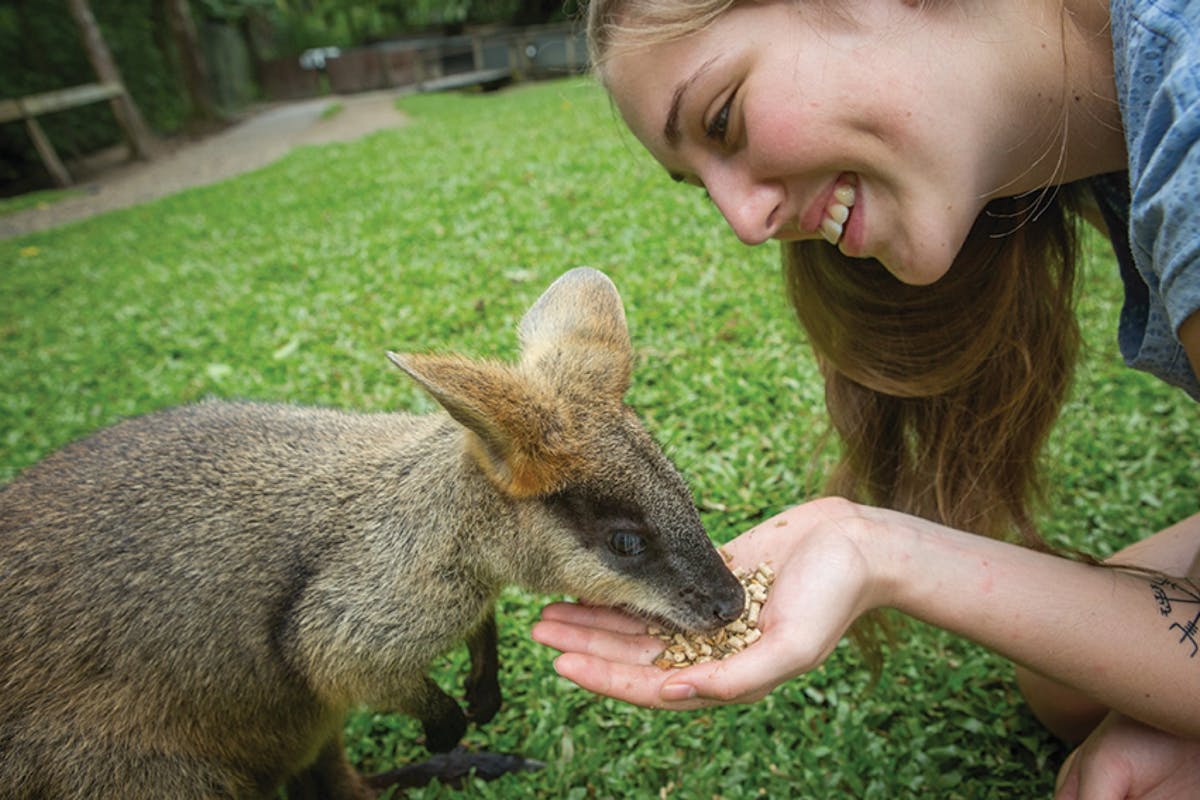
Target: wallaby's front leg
[
  {"x": 441, "y": 717},
  {"x": 483, "y": 683}
]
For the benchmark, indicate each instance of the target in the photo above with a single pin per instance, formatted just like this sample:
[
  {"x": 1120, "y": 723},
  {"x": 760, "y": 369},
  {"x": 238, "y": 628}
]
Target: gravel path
[{"x": 254, "y": 142}]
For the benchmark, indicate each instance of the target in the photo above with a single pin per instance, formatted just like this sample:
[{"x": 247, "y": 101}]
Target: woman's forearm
[
  {"x": 1068, "y": 713},
  {"x": 1128, "y": 640}
]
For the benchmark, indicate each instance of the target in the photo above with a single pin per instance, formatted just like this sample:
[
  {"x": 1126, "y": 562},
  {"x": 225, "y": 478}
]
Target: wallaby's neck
[{"x": 462, "y": 515}]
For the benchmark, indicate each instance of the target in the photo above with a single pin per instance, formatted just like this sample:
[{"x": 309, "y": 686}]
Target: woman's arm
[
  {"x": 1126, "y": 640},
  {"x": 1067, "y": 713}
]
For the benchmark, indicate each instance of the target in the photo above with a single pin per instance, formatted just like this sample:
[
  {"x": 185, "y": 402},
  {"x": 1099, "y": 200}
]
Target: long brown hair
[{"x": 943, "y": 396}]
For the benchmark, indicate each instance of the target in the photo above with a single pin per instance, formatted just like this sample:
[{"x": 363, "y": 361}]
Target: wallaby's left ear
[
  {"x": 517, "y": 432},
  {"x": 577, "y": 328}
]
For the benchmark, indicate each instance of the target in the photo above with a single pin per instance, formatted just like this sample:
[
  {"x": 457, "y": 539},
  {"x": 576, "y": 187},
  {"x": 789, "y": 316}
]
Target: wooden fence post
[{"x": 124, "y": 109}]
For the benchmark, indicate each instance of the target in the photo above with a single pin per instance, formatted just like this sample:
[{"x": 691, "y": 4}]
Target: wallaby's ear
[
  {"x": 578, "y": 326},
  {"x": 518, "y": 434}
]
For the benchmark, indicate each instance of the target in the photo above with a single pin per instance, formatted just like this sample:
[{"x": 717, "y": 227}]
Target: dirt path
[{"x": 264, "y": 136}]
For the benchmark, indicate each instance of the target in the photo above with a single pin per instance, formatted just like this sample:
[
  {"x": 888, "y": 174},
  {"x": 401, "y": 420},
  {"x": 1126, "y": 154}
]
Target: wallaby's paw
[
  {"x": 451, "y": 768},
  {"x": 483, "y": 701},
  {"x": 444, "y": 733}
]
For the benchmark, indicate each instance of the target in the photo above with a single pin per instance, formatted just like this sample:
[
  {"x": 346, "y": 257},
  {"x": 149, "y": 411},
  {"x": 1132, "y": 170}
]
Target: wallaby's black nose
[{"x": 730, "y": 607}]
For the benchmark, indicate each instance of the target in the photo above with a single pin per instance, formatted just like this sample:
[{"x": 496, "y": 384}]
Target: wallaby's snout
[
  {"x": 708, "y": 596},
  {"x": 725, "y": 602},
  {"x": 646, "y": 552},
  {"x": 729, "y": 607}
]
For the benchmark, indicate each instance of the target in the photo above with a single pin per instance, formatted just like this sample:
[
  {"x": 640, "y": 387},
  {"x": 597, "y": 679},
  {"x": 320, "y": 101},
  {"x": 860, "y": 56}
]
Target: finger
[
  {"x": 610, "y": 646},
  {"x": 600, "y": 617},
  {"x": 640, "y": 685}
]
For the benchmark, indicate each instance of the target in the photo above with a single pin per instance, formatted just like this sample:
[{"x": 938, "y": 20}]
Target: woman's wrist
[
  {"x": 878, "y": 545},
  {"x": 888, "y": 541},
  {"x": 913, "y": 563}
]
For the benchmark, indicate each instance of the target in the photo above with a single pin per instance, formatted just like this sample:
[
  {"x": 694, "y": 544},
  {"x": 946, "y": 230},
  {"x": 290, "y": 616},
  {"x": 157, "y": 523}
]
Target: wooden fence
[
  {"x": 29, "y": 108},
  {"x": 426, "y": 64}
]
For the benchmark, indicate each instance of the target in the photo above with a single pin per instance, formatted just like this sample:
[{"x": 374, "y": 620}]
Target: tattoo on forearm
[{"x": 1182, "y": 593}]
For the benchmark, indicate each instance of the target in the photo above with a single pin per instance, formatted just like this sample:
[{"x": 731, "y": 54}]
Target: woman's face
[{"x": 854, "y": 126}]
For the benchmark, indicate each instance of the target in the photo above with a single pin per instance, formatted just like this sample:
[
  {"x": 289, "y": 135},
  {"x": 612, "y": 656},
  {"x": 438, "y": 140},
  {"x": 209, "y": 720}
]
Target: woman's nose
[{"x": 751, "y": 207}]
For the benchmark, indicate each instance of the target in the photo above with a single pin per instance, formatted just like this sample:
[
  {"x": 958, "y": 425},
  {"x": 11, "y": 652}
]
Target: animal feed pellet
[{"x": 685, "y": 649}]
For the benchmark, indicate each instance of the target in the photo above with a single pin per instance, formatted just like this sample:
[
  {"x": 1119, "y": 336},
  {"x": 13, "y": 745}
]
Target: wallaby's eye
[{"x": 626, "y": 543}]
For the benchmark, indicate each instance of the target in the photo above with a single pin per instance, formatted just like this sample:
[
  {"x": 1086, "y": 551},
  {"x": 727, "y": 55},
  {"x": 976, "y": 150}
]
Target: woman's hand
[
  {"x": 1126, "y": 760},
  {"x": 823, "y": 582}
]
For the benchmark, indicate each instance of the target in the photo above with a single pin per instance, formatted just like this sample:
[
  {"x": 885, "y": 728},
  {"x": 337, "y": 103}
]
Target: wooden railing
[{"x": 29, "y": 108}]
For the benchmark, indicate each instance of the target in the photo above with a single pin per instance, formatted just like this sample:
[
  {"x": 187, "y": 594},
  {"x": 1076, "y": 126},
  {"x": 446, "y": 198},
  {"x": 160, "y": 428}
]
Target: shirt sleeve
[{"x": 1163, "y": 109}]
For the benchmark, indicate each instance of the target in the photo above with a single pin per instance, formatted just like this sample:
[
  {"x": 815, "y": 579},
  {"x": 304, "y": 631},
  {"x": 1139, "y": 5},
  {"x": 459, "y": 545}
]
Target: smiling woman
[
  {"x": 771, "y": 110},
  {"x": 945, "y": 151}
]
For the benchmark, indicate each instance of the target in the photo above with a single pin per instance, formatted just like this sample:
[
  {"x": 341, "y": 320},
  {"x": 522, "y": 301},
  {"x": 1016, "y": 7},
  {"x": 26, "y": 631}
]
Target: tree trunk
[
  {"x": 246, "y": 26},
  {"x": 195, "y": 69},
  {"x": 124, "y": 109}
]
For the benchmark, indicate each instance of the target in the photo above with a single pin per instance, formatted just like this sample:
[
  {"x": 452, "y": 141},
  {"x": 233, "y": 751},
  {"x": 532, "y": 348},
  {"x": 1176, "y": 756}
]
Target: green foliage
[
  {"x": 290, "y": 283},
  {"x": 234, "y": 10},
  {"x": 300, "y": 24},
  {"x": 40, "y": 51}
]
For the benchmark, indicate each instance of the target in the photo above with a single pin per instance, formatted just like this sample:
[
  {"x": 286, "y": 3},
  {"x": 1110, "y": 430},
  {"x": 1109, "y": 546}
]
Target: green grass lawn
[
  {"x": 290, "y": 283},
  {"x": 11, "y": 205}
]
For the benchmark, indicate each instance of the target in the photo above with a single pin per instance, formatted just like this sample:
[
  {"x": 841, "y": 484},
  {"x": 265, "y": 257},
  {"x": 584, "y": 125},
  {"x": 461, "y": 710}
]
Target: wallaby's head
[{"x": 613, "y": 521}]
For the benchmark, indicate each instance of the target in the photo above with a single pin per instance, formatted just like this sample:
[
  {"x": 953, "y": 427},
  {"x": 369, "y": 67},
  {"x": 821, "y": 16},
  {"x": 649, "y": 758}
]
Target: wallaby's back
[{"x": 176, "y": 550}]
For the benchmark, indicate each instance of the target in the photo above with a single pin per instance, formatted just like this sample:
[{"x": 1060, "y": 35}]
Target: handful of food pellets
[{"x": 683, "y": 650}]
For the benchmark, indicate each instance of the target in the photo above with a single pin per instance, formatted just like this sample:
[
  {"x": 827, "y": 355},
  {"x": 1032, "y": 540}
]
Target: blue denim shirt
[{"x": 1156, "y": 205}]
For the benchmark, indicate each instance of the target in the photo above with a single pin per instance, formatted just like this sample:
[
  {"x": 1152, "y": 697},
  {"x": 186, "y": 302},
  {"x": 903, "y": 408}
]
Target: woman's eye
[
  {"x": 718, "y": 127},
  {"x": 626, "y": 543}
]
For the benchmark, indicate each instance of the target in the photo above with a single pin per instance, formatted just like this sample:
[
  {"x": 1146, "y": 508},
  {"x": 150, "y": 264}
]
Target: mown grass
[
  {"x": 11, "y": 205},
  {"x": 289, "y": 283}
]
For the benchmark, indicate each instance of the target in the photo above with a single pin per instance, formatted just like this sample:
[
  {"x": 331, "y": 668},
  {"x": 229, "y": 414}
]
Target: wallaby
[{"x": 192, "y": 600}]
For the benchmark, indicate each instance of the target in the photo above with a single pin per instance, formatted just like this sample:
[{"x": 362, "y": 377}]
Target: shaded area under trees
[{"x": 190, "y": 63}]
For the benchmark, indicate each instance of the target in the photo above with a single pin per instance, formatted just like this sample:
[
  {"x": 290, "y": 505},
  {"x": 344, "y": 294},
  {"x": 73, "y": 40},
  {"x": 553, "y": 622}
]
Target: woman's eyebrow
[{"x": 671, "y": 127}]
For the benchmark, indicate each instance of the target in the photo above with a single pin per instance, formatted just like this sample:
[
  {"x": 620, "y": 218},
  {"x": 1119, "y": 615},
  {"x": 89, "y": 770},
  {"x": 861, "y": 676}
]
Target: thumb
[
  {"x": 1067, "y": 784},
  {"x": 744, "y": 678},
  {"x": 1093, "y": 776}
]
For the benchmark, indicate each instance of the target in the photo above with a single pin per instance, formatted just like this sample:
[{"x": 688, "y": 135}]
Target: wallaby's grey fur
[{"x": 190, "y": 601}]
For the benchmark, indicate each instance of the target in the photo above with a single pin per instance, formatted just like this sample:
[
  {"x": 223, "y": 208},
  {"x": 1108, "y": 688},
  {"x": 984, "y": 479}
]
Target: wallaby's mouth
[
  {"x": 694, "y": 623},
  {"x": 696, "y": 609}
]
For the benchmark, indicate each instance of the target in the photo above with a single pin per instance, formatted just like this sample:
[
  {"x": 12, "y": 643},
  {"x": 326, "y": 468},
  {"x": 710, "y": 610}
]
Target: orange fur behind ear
[
  {"x": 519, "y": 427},
  {"x": 524, "y": 419},
  {"x": 524, "y": 473}
]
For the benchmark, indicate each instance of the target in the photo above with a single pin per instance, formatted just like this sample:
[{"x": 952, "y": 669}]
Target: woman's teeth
[{"x": 838, "y": 211}]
